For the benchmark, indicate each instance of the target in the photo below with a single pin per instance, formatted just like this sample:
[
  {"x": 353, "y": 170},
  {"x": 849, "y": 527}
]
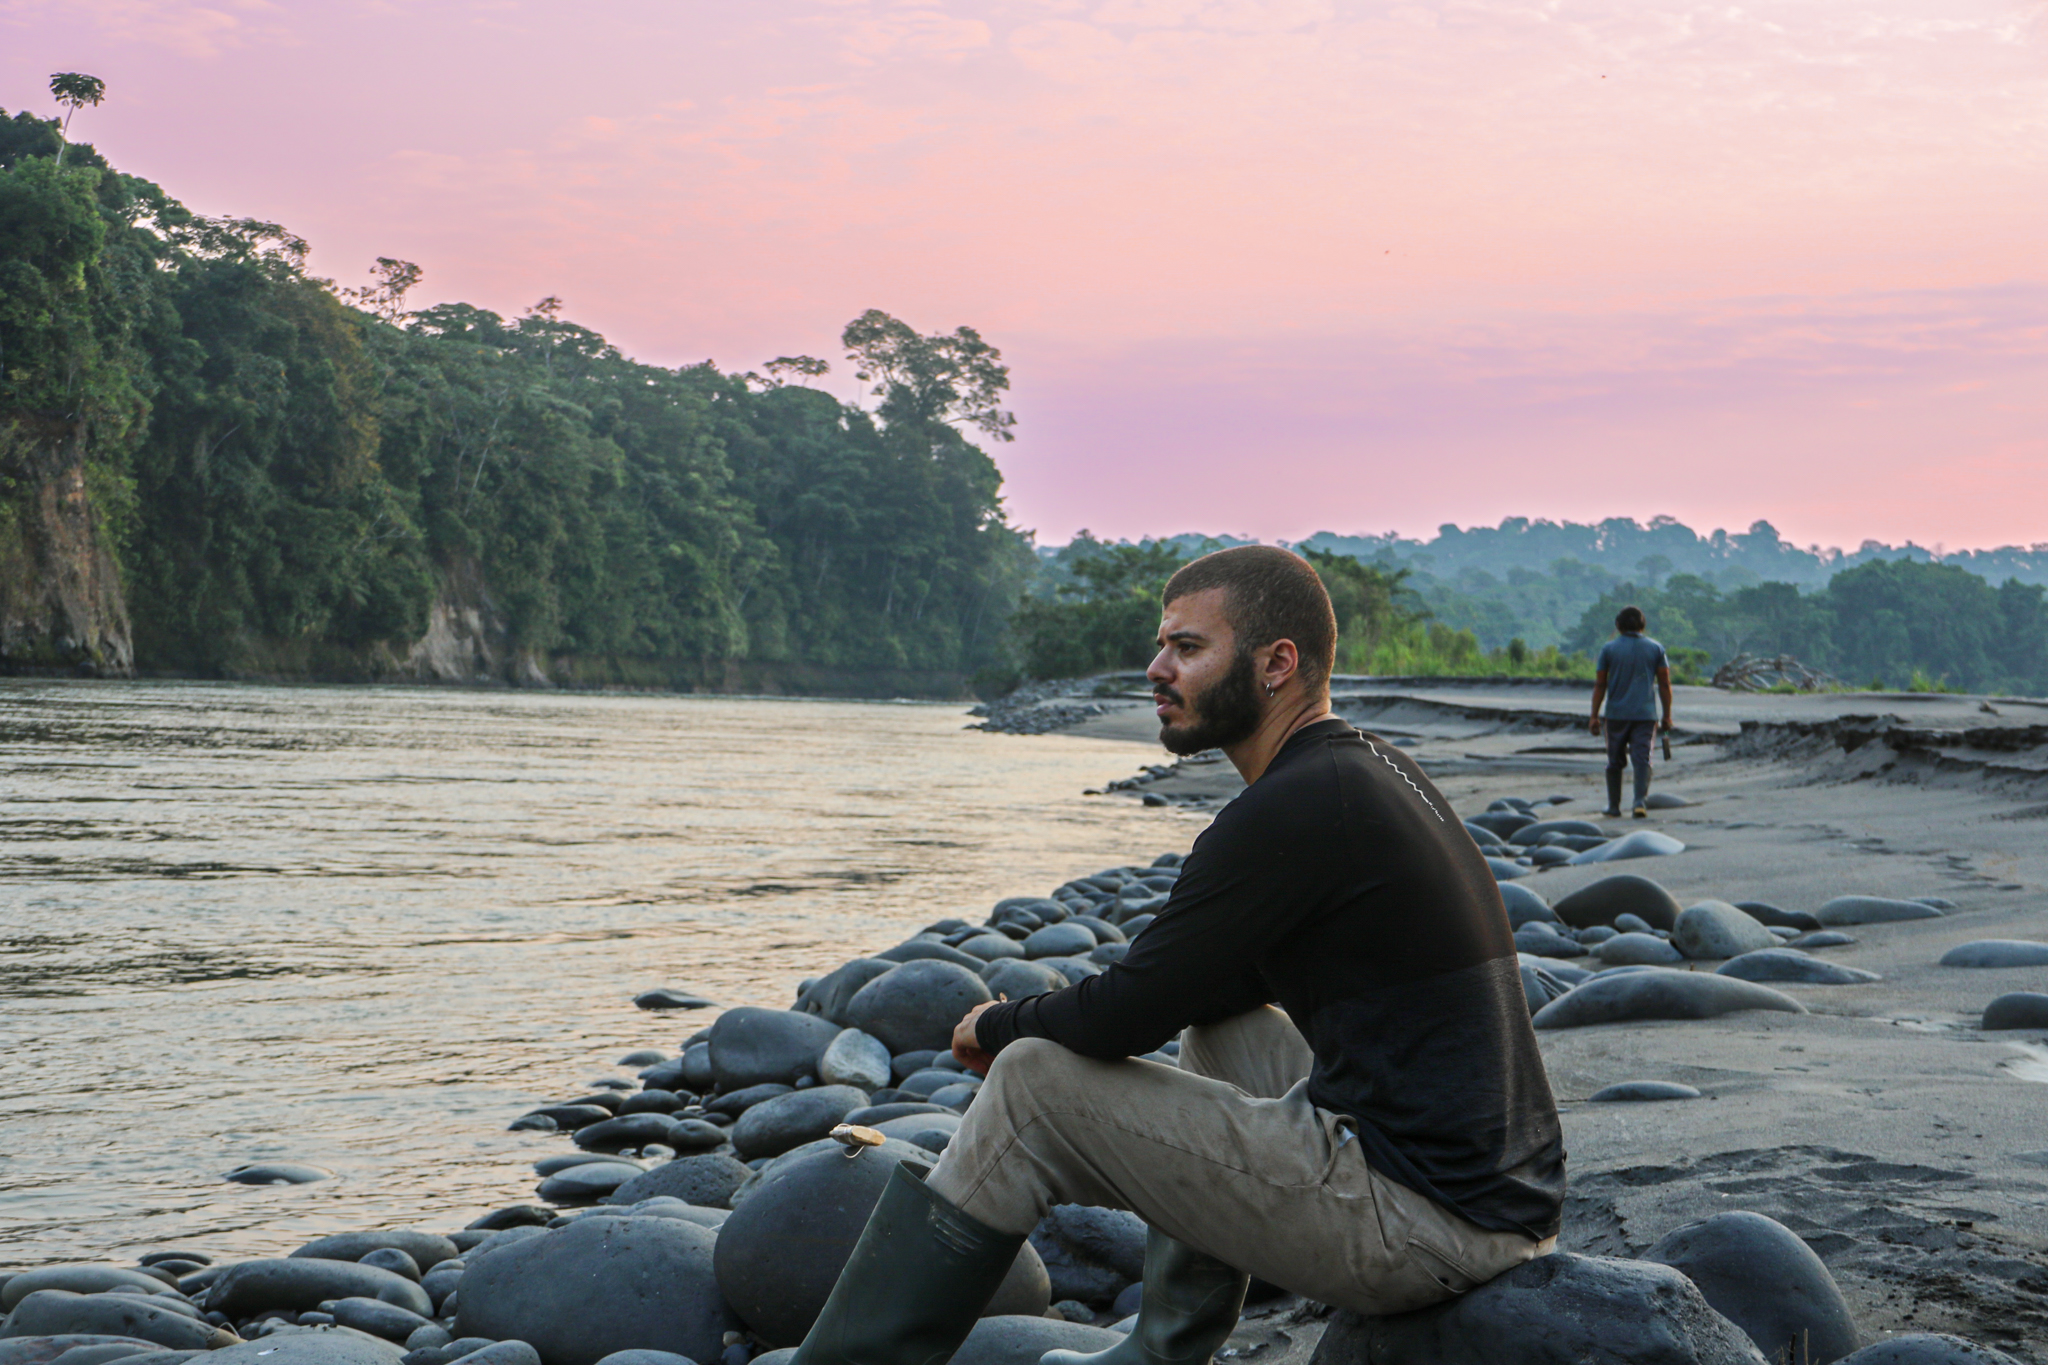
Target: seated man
[{"x": 1386, "y": 1143}]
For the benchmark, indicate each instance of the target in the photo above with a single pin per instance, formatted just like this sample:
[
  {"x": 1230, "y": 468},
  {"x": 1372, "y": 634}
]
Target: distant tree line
[{"x": 291, "y": 470}]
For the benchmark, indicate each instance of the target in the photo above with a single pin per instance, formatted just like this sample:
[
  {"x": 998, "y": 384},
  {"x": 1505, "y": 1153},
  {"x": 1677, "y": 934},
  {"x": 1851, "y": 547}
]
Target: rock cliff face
[{"x": 61, "y": 606}]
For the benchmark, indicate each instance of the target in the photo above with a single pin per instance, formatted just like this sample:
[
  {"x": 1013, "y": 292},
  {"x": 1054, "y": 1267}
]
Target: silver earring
[{"x": 1269, "y": 689}]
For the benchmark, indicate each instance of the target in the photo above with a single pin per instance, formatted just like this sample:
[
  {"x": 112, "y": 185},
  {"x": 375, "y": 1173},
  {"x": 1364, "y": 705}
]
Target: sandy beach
[{"x": 1907, "y": 1147}]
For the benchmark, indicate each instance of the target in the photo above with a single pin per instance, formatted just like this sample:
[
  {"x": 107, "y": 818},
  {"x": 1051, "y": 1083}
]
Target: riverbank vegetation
[{"x": 302, "y": 478}]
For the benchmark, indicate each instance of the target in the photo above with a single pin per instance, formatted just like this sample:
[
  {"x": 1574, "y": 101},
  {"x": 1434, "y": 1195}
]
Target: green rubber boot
[
  {"x": 1189, "y": 1308},
  {"x": 915, "y": 1285}
]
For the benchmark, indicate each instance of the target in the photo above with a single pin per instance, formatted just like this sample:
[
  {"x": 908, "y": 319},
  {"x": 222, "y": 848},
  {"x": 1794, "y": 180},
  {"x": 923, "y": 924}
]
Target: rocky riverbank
[{"x": 1751, "y": 1085}]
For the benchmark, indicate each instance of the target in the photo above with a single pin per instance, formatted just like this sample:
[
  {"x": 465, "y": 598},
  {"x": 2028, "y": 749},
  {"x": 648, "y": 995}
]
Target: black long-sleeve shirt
[{"x": 1342, "y": 886}]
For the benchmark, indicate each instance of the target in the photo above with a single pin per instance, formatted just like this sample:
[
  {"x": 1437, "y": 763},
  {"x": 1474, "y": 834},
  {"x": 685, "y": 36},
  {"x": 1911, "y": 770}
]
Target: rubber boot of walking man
[
  {"x": 1359, "y": 1113},
  {"x": 1634, "y": 677}
]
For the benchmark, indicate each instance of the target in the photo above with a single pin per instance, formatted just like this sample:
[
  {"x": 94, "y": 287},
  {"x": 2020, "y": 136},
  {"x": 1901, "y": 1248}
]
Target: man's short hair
[
  {"x": 1629, "y": 618},
  {"x": 1269, "y": 594}
]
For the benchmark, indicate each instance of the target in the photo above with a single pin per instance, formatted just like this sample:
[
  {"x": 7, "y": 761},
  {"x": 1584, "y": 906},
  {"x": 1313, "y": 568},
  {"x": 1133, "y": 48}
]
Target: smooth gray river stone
[
  {"x": 917, "y": 1005},
  {"x": 562, "y": 1161},
  {"x": 773, "y": 1127},
  {"x": 1658, "y": 993},
  {"x": 1529, "y": 834},
  {"x": 827, "y": 996},
  {"x": 1873, "y": 910},
  {"x": 1763, "y": 912},
  {"x": 707, "y": 1181},
  {"x": 2017, "y": 1010},
  {"x": 1927, "y": 1348},
  {"x": 1997, "y": 952},
  {"x": 629, "y": 1130},
  {"x": 853, "y": 1058},
  {"x": 299, "y": 1283},
  {"x": 326, "y": 1346},
  {"x": 1713, "y": 930},
  {"x": 593, "y": 1181},
  {"x": 1792, "y": 965},
  {"x": 754, "y": 1046},
  {"x": 597, "y": 1286},
  {"x": 928, "y": 950},
  {"x": 79, "y": 1279},
  {"x": 1588, "y": 1310},
  {"x": 1757, "y": 1273},
  {"x": 1640, "y": 1092},
  {"x": 379, "y": 1319},
  {"x": 427, "y": 1249},
  {"x": 1636, "y": 950},
  {"x": 1624, "y": 893},
  {"x": 56, "y": 1312},
  {"x": 45, "y": 1350},
  {"x": 1641, "y": 843},
  {"x": 277, "y": 1173}
]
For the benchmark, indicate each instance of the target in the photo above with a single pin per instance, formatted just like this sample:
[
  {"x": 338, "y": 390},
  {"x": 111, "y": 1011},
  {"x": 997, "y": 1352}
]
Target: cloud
[{"x": 190, "y": 30}]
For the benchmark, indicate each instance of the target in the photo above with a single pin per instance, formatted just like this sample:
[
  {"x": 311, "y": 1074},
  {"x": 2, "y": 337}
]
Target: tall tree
[{"x": 74, "y": 90}]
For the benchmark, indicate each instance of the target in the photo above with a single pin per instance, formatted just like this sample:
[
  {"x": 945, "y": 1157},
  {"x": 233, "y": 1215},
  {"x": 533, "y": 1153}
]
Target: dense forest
[{"x": 296, "y": 479}]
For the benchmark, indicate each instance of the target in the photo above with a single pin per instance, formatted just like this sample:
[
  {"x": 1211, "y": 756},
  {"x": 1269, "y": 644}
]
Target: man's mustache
[{"x": 1160, "y": 694}]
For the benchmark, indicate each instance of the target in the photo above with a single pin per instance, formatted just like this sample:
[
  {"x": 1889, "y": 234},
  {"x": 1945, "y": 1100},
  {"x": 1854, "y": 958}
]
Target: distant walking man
[{"x": 1629, "y": 663}]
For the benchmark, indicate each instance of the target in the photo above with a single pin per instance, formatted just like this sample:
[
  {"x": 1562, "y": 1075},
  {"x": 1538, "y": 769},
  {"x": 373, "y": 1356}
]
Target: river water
[{"x": 363, "y": 928}]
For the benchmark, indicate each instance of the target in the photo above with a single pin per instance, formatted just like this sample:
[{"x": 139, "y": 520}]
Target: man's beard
[{"x": 1225, "y": 714}]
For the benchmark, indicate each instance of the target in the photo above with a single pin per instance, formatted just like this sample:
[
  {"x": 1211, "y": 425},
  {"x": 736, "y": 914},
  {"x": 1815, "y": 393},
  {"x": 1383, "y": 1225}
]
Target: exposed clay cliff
[{"x": 61, "y": 606}]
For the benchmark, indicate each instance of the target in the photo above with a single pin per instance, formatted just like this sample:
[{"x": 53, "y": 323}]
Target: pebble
[
  {"x": 1873, "y": 910},
  {"x": 827, "y": 997},
  {"x": 695, "y": 1135},
  {"x": 565, "y": 1118},
  {"x": 857, "y": 1059},
  {"x": 61, "y": 1312},
  {"x": 928, "y": 950},
  {"x": 2017, "y": 1010},
  {"x": 310, "y": 1346},
  {"x": 1713, "y": 930},
  {"x": 562, "y": 1161},
  {"x": 774, "y": 1126},
  {"x": 707, "y": 1181},
  {"x": 1505, "y": 871},
  {"x": 583, "y": 1183},
  {"x": 1067, "y": 939},
  {"x": 1020, "y": 1340},
  {"x": 1643, "y": 1091},
  {"x": 379, "y": 1319},
  {"x": 1596, "y": 935},
  {"x": 990, "y": 947},
  {"x": 600, "y": 1285},
  {"x": 782, "y": 1250},
  {"x": 668, "y": 998},
  {"x": 1626, "y": 893},
  {"x": 1792, "y": 965},
  {"x": 1570, "y": 1307},
  {"x": 1997, "y": 952},
  {"x": 502, "y": 1353},
  {"x": 646, "y": 1358},
  {"x": 1017, "y": 979},
  {"x": 1757, "y": 1273},
  {"x": 644, "y": 1057},
  {"x": 1533, "y": 832},
  {"x": 1927, "y": 1348},
  {"x": 299, "y": 1283},
  {"x": 737, "y": 1102},
  {"x": 755, "y": 1046},
  {"x": 957, "y": 1095},
  {"x": 277, "y": 1173},
  {"x": 916, "y": 1005},
  {"x": 653, "y": 1100},
  {"x": 78, "y": 1279},
  {"x": 1501, "y": 823},
  {"x": 1667, "y": 801},
  {"x": 1636, "y": 950},
  {"x": 630, "y": 1130},
  {"x": 1765, "y": 913},
  {"x": 1525, "y": 906},
  {"x": 1641, "y": 843},
  {"x": 1658, "y": 993},
  {"x": 395, "y": 1261},
  {"x": 1820, "y": 938}
]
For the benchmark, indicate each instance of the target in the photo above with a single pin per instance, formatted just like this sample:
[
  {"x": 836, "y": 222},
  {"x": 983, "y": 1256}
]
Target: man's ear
[{"x": 1282, "y": 661}]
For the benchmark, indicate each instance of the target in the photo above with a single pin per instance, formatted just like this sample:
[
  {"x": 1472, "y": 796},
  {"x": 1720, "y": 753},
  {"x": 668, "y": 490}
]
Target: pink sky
[{"x": 1260, "y": 266}]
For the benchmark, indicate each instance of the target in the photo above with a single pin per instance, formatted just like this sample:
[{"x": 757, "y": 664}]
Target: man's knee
[{"x": 1035, "y": 1063}]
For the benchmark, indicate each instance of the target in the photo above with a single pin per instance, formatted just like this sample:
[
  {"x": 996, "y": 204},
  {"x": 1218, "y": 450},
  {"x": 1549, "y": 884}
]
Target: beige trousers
[{"x": 1224, "y": 1153}]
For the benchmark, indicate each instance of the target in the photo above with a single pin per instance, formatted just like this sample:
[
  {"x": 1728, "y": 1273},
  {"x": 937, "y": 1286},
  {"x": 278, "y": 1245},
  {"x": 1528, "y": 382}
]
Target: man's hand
[
  {"x": 1665, "y": 725},
  {"x": 1593, "y": 725},
  {"x": 966, "y": 1047}
]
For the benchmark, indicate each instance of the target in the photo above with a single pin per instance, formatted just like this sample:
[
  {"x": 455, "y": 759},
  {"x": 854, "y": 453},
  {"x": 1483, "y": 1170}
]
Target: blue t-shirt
[{"x": 1631, "y": 663}]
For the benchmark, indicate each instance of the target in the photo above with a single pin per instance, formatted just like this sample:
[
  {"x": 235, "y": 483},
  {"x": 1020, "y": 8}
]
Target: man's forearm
[
  {"x": 1664, "y": 695},
  {"x": 1599, "y": 697}
]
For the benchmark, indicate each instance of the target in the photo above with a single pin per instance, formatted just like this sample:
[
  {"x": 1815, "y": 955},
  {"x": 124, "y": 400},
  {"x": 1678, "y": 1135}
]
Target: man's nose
[{"x": 1160, "y": 670}]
